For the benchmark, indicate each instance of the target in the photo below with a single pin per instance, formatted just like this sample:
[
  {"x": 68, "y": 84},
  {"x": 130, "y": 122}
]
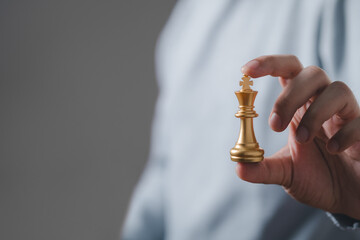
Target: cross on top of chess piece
[{"x": 246, "y": 83}]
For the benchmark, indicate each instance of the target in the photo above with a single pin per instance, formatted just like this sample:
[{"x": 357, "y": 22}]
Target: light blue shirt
[{"x": 189, "y": 189}]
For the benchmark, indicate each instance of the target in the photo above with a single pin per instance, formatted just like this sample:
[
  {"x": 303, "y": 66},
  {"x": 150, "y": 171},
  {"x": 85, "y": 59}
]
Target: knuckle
[
  {"x": 295, "y": 60},
  {"x": 315, "y": 71},
  {"x": 341, "y": 87},
  {"x": 266, "y": 59},
  {"x": 350, "y": 131},
  {"x": 357, "y": 129}
]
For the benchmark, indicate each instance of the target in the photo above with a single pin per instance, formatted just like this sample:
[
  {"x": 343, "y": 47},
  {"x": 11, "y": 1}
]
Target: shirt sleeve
[
  {"x": 344, "y": 222},
  {"x": 145, "y": 217}
]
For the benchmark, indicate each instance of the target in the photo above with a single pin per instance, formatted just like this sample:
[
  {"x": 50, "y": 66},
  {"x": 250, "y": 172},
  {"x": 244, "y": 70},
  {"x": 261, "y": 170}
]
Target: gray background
[{"x": 77, "y": 93}]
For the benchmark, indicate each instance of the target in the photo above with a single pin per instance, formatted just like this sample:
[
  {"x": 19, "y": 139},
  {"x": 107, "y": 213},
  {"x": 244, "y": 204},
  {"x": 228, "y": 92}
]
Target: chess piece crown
[{"x": 246, "y": 148}]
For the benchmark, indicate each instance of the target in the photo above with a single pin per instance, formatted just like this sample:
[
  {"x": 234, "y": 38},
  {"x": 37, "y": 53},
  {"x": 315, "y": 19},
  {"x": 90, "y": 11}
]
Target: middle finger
[{"x": 308, "y": 83}]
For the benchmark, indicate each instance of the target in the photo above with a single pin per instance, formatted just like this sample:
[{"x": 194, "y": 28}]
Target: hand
[{"x": 320, "y": 165}]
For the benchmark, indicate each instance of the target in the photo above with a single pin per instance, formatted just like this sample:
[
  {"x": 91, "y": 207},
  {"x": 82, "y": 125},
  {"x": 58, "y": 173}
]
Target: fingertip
[
  {"x": 248, "y": 171},
  {"x": 250, "y": 68},
  {"x": 275, "y": 122},
  {"x": 241, "y": 171},
  {"x": 238, "y": 170}
]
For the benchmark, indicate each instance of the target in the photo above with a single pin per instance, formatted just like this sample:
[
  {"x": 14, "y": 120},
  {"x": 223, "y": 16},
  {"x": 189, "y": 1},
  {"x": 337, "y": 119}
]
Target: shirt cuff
[{"x": 344, "y": 222}]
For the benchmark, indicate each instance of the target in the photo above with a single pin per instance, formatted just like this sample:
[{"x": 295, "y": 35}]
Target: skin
[{"x": 320, "y": 165}]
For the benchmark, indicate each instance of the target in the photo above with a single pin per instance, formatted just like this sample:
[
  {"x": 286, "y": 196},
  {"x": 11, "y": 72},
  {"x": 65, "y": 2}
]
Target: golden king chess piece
[{"x": 246, "y": 148}]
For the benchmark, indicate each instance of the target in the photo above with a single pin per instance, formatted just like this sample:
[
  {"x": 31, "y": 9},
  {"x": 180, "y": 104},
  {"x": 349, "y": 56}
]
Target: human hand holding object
[{"x": 320, "y": 165}]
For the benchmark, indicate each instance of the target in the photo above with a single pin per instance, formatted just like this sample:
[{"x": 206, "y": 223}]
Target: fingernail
[
  {"x": 333, "y": 146},
  {"x": 275, "y": 121},
  {"x": 252, "y": 65},
  {"x": 302, "y": 134}
]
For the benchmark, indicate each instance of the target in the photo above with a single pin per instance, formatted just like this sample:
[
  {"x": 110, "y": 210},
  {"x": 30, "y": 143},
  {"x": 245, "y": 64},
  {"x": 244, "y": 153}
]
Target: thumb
[{"x": 276, "y": 169}]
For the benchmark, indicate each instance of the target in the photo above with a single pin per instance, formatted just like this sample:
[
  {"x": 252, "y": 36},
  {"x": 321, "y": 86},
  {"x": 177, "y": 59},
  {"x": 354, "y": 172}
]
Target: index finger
[{"x": 286, "y": 66}]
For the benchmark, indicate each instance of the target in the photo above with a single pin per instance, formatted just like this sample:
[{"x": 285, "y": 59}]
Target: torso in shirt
[{"x": 199, "y": 61}]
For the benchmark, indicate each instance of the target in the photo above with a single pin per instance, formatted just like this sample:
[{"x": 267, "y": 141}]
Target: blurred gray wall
[{"x": 77, "y": 93}]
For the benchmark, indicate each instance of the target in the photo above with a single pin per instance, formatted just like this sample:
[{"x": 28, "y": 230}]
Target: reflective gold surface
[{"x": 246, "y": 148}]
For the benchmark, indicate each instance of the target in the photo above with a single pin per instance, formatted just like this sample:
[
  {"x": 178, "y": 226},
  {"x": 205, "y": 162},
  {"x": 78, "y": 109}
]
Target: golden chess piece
[{"x": 246, "y": 148}]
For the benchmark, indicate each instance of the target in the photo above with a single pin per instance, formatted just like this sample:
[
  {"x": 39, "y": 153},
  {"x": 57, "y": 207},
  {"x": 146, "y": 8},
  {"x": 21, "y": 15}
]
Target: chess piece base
[{"x": 250, "y": 152}]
